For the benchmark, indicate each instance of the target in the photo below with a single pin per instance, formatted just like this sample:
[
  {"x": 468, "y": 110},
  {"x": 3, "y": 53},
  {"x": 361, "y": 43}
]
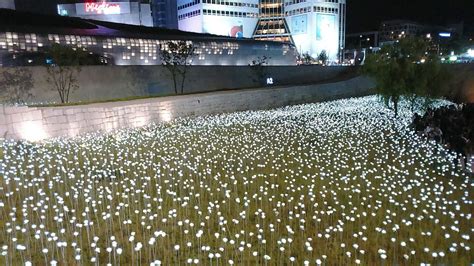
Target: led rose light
[{"x": 327, "y": 183}]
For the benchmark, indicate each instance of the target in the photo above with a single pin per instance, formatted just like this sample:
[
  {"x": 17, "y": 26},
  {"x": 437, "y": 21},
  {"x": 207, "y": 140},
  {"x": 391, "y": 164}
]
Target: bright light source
[
  {"x": 445, "y": 34},
  {"x": 102, "y": 8},
  {"x": 453, "y": 58},
  {"x": 470, "y": 52},
  {"x": 166, "y": 116},
  {"x": 32, "y": 131}
]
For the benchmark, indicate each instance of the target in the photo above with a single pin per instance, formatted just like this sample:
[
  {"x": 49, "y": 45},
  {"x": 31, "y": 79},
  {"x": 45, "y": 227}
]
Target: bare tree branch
[{"x": 177, "y": 56}]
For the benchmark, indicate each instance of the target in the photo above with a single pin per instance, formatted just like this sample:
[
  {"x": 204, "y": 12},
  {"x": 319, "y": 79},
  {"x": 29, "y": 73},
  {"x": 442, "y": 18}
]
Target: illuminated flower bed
[{"x": 335, "y": 183}]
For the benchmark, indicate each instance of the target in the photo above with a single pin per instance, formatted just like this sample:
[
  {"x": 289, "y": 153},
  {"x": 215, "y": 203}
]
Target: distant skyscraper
[
  {"x": 312, "y": 26},
  {"x": 165, "y": 13}
]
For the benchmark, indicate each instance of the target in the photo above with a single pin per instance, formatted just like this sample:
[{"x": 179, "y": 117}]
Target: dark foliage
[
  {"x": 407, "y": 71},
  {"x": 451, "y": 125}
]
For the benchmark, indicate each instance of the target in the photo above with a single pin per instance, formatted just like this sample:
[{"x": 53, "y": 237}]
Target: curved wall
[{"x": 145, "y": 51}]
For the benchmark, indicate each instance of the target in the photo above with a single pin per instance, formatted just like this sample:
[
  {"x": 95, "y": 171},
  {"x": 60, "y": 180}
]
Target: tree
[
  {"x": 16, "y": 85},
  {"x": 177, "y": 56},
  {"x": 323, "y": 57},
  {"x": 307, "y": 59},
  {"x": 405, "y": 70},
  {"x": 430, "y": 81},
  {"x": 457, "y": 44},
  {"x": 64, "y": 68},
  {"x": 258, "y": 67}
]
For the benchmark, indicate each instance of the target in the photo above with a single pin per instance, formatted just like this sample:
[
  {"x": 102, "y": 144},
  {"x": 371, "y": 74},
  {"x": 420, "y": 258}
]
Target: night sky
[{"x": 366, "y": 15}]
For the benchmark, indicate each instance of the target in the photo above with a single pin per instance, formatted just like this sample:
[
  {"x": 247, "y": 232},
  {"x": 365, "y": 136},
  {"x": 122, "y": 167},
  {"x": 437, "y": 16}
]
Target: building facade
[
  {"x": 317, "y": 26},
  {"x": 22, "y": 43},
  {"x": 165, "y": 13},
  {"x": 47, "y": 7},
  {"x": 313, "y": 26},
  {"x": 393, "y": 30},
  {"x": 232, "y": 18},
  {"x": 9, "y": 4},
  {"x": 272, "y": 24},
  {"x": 127, "y": 12}
]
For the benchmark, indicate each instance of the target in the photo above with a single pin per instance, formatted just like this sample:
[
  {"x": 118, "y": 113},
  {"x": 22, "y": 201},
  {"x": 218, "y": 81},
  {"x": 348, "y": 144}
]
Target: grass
[
  {"x": 335, "y": 183},
  {"x": 131, "y": 98}
]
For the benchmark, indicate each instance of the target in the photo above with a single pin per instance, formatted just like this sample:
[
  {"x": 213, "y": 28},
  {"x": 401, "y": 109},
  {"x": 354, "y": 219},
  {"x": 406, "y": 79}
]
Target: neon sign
[
  {"x": 445, "y": 34},
  {"x": 102, "y": 8}
]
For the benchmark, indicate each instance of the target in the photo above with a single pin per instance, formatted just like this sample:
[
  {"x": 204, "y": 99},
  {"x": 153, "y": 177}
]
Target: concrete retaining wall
[
  {"x": 99, "y": 83},
  {"x": 35, "y": 124}
]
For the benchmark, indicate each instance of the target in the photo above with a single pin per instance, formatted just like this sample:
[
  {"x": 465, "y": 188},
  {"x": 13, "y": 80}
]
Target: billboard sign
[
  {"x": 227, "y": 26},
  {"x": 299, "y": 24},
  {"x": 325, "y": 26},
  {"x": 237, "y": 31},
  {"x": 102, "y": 8}
]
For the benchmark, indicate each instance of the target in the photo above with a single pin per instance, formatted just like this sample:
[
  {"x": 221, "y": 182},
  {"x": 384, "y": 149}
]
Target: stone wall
[
  {"x": 99, "y": 83},
  {"x": 34, "y": 123}
]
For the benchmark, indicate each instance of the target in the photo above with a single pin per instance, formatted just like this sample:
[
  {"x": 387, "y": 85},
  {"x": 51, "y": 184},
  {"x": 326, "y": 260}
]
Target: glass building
[
  {"x": 272, "y": 24},
  {"x": 232, "y": 18},
  {"x": 313, "y": 26},
  {"x": 165, "y": 13}
]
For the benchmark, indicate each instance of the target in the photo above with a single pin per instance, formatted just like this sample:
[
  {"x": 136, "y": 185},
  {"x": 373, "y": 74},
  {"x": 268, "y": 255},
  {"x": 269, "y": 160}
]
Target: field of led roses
[{"x": 335, "y": 183}]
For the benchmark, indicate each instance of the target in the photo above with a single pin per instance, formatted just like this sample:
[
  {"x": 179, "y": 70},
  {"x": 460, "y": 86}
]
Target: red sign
[{"x": 102, "y": 8}]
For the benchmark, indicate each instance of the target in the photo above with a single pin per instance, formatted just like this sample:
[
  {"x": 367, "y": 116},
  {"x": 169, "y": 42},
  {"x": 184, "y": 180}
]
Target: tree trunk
[
  {"x": 174, "y": 83},
  {"x": 183, "y": 75},
  {"x": 395, "y": 105}
]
